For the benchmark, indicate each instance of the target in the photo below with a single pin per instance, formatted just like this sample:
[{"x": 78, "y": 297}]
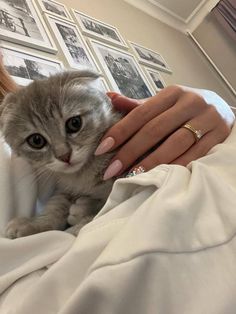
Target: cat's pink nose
[{"x": 65, "y": 157}]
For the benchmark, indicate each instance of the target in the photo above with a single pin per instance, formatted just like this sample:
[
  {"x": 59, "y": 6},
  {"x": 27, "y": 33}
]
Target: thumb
[{"x": 123, "y": 103}]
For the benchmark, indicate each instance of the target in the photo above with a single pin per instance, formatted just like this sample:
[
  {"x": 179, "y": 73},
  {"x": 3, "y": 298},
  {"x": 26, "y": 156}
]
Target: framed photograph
[
  {"x": 21, "y": 23},
  {"x": 55, "y": 8},
  {"x": 25, "y": 67},
  {"x": 155, "y": 78},
  {"x": 72, "y": 44},
  {"x": 150, "y": 58},
  {"x": 99, "y": 30},
  {"x": 105, "y": 86},
  {"x": 122, "y": 71}
]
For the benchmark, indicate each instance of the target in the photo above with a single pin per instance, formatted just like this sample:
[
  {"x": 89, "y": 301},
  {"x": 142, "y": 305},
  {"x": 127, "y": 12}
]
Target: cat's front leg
[
  {"x": 53, "y": 217},
  {"x": 76, "y": 228},
  {"x": 84, "y": 206}
]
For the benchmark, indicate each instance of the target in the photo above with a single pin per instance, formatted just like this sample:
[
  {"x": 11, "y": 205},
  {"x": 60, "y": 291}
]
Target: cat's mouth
[
  {"x": 66, "y": 168},
  {"x": 71, "y": 167}
]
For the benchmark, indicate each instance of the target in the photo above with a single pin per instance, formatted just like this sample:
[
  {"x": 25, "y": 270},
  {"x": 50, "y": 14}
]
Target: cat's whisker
[
  {"x": 44, "y": 181},
  {"x": 27, "y": 176},
  {"x": 33, "y": 176}
]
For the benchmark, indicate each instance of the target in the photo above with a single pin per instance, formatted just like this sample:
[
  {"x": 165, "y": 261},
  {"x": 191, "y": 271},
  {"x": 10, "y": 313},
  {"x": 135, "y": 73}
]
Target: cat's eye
[
  {"x": 36, "y": 141},
  {"x": 73, "y": 125}
]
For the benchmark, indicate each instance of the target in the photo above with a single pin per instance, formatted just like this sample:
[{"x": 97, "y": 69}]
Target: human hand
[{"x": 152, "y": 131}]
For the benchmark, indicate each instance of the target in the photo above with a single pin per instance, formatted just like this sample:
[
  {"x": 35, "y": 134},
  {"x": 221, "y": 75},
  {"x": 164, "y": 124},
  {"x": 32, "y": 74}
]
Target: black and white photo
[
  {"x": 122, "y": 71},
  {"x": 155, "y": 79},
  {"x": 25, "y": 67},
  {"x": 20, "y": 22},
  {"x": 55, "y": 8},
  {"x": 149, "y": 57},
  {"x": 72, "y": 44},
  {"x": 99, "y": 30}
]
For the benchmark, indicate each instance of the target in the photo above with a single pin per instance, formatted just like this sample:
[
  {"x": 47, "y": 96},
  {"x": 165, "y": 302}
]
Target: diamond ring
[{"x": 197, "y": 133}]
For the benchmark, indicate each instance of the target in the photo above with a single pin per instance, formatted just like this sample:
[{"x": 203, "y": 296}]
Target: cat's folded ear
[
  {"x": 82, "y": 76},
  {"x": 4, "y": 104}
]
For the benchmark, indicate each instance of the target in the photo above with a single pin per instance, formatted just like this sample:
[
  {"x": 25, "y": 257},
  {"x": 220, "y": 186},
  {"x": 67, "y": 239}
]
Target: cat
[{"x": 56, "y": 125}]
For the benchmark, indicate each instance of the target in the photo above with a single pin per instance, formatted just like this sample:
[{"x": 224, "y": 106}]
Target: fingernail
[
  {"x": 112, "y": 95},
  {"x": 104, "y": 146},
  {"x": 113, "y": 169}
]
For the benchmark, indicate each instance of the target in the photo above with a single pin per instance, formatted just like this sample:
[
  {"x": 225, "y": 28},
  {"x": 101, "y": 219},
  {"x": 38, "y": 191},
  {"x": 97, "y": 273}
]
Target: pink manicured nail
[
  {"x": 104, "y": 146},
  {"x": 113, "y": 169}
]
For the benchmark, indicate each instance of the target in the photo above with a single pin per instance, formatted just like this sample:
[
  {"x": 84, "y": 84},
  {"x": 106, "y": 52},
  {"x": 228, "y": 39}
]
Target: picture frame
[
  {"x": 55, "y": 8},
  {"x": 105, "y": 85},
  {"x": 72, "y": 43},
  {"x": 149, "y": 57},
  {"x": 155, "y": 78},
  {"x": 24, "y": 66},
  {"x": 122, "y": 71},
  {"x": 99, "y": 30},
  {"x": 21, "y": 23}
]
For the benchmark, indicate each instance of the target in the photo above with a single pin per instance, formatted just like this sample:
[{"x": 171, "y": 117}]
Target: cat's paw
[
  {"x": 74, "y": 215},
  {"x": 77, "y": 211},
  {"x": 20, "y": 227},
  {"x": 74, "y": 230}
]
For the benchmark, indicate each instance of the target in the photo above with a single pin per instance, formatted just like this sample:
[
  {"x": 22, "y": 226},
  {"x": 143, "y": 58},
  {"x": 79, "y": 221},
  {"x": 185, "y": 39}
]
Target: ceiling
[
  {"x": 180, "y": 9},
  {"x": 184, "y": 15}
]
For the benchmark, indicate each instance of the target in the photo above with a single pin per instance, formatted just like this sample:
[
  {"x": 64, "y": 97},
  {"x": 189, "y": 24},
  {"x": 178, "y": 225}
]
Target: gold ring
[{"x": 197, "y": 133}]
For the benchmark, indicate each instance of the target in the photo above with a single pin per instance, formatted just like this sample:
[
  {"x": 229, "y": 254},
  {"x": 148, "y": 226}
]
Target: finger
[
  {"x": 112, "y": 95},
  {"x": 123, "y": 103},
  {"x": 154, "y": 132},
  {"x": 195, "y": 152},
  {"x": 137, "y": 118},
  {"x": 178, "y": 143},
  {"x": 201, "y": 148}
]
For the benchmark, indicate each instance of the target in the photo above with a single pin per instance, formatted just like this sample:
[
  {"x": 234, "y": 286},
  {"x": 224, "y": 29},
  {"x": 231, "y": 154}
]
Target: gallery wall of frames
[{"x": 51, "y": 27}]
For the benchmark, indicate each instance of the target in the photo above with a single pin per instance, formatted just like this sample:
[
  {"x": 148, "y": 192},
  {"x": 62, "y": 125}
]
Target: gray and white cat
[{"x": 56, "y": 125}]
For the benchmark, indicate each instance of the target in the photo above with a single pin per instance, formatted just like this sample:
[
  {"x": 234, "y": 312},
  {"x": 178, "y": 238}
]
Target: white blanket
[{"x": 164, "y": 243}]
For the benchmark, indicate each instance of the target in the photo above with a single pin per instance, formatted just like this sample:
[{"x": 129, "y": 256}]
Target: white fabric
[
  {"x": 164, "y": 243},
  {"x": 215, "y": 100},
  {"x": 18, "y": 192}
]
